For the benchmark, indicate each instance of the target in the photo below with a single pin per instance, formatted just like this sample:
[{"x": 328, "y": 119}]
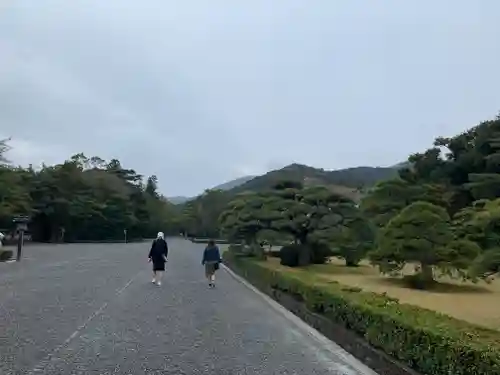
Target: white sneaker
[
  {"x": 158, "y": 283},
  {"x": 153, "y": 281}
]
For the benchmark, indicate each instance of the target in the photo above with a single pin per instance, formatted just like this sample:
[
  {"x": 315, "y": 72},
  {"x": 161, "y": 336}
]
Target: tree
[
  {"x": 353, "y": 241},
  {"x": 389, "y": 197},
  {"x": 152, "y": 186},
  {"x": 480, "y": 224},
  {"x": 306, "y": 214},
  {"x": 4, "y": 148},
  {"x": 310, "y": 216},
  {"x": 487, "y": 264},
  {"x": 200, "y": 216},
  {"x": 84, "y": 199},
  {"x": 241, "y": 221},
  {"x": 14, "y": 195},
  {"x": 421, "y": 233}
]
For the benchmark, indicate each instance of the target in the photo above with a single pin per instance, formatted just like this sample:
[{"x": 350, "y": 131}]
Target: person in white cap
[{"x": 158, "y": 256}]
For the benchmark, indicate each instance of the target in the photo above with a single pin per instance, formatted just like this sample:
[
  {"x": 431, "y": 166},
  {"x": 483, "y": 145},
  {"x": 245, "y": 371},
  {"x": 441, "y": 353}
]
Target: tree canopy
[
  {"x": 459, "y": 174},
  {"x": 421, "y": 234},
  {"x": 441, "y": 212},
  {"x": 84, "y": 199},
  {"x": 309, "y": 216}
]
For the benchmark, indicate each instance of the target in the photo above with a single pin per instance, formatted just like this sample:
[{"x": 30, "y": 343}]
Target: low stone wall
[{"x": 348, "y": 340}]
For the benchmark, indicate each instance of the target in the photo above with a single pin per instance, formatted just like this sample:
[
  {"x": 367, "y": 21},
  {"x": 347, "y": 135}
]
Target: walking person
[
  {"x": 211, "y": 260},
  {"x": 158, "y": 256}
]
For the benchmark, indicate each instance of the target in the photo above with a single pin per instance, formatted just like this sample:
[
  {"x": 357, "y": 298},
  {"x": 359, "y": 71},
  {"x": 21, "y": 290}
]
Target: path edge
[
  {"x": 355, "y": 351},
  {"x": 326, "y": 343}
]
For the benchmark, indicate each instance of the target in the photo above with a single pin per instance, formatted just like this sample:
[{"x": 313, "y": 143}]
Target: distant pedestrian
[
  {"x": 1, "y": 239},
  {"x": 211, "y": 260},
  {"x": 158, "y": 256}
]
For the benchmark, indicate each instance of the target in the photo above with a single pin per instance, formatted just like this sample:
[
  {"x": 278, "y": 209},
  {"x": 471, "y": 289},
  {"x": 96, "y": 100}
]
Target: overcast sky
[{"x": 200, "y": 92}]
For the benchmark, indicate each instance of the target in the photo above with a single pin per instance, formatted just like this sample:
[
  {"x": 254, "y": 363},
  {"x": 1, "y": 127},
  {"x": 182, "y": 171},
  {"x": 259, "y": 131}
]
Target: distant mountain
[
  {"x": 352, "y": 180},
  {"x": 178, "y": 200},
  {"x": 404, "y": 164},
  {"x": 233, "y": 183},
  {"x": 225, "y": 186}
]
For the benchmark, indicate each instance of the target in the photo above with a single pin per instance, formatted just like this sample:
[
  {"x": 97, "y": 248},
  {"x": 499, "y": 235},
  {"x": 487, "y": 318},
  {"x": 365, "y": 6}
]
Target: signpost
[
  {"x": 63, "y": 231},
  {"x": 21, "y": 226}
]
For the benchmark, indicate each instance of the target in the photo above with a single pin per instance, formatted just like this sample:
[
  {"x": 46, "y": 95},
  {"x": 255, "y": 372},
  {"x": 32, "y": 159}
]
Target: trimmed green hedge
[
  {"x": 205, "y": 240},
  {"x": 427, "y": 341}
]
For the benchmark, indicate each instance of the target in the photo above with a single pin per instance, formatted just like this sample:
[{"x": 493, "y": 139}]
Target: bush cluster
[
  {"x": 205, "y": 240},
  {"x": 296, "y": 255},
  {"x": 427, "y": 341},
  {"x": 290, "y": 255}
]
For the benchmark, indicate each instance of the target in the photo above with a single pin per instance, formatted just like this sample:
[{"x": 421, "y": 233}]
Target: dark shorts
[{"x": 158, "y": 266}]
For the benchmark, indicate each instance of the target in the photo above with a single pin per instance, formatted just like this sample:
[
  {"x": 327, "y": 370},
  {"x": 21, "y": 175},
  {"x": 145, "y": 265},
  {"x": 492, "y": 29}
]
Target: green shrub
[
  {"x": 320, "y": 253},
  {"x": 296, "y": 255},
  {"x": 427, "y": 341},
  {"x": 205, "y": 240},
  {"x": 6, "y": 255},
  {"x": 290, "y": 255}
]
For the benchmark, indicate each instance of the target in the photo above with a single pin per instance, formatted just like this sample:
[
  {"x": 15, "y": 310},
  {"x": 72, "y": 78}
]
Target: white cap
[{"x": 160, "y": 235}]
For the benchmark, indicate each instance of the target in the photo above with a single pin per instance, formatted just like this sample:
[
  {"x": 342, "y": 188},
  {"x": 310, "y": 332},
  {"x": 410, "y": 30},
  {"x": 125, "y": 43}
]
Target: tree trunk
[
  {"x": 427, "y": 273},
  {"x": 424, "y": 279},
  {"x": 351, "y": 263}
]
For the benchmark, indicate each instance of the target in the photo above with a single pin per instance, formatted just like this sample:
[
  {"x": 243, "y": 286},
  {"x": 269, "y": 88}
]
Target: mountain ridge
[
  {"x": 224, "y": 186},
  {"x": 348, "y": 181}
]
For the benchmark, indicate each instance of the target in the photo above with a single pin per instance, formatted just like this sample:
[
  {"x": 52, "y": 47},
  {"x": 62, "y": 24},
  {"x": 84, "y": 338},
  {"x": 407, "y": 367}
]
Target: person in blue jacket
[{"x": 211, "y": 260}]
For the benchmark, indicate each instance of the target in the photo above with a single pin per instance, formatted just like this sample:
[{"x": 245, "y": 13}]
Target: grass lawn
[{"x": 476, "y": 303}]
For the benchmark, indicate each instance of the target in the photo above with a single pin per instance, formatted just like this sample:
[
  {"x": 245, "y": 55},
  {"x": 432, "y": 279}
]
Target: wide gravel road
[{"x": 91, "y": 309}]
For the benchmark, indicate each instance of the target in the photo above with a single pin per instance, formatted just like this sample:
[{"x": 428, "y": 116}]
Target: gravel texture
[{"x": 91, "y": 309}]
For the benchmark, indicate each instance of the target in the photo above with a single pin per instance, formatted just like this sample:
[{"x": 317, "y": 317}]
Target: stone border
[{"x": 348, "y": 340}]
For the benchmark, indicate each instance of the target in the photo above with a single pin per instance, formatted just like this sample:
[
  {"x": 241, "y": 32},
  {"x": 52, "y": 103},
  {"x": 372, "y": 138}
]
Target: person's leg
[
  {"x": 154, "y": 277},
  {"x": 159, "y": 275},
  {"x": 211, "y": 277},
  {"x": 209, "y": 273}
]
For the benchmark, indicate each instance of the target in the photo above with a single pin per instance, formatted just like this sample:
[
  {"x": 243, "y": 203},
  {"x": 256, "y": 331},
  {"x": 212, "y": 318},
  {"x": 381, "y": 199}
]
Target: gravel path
[{"x": 91, "y": 309}]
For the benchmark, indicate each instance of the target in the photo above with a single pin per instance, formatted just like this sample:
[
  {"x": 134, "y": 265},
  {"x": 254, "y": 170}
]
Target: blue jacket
[{"x": 211, "y": 254}]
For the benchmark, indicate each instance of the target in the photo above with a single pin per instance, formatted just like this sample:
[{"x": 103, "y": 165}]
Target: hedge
[
  {"x": 205, "y": 240},
  {"x": 427, "y": 341}
]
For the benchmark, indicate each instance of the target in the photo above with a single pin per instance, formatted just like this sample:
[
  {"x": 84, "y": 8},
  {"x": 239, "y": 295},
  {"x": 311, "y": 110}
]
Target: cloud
[{"x": 201, "y": 92}]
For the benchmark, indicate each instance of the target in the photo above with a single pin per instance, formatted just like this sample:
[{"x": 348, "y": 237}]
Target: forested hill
[
  {"x": 233, "y": 183},
  {"x": 225, "y": 186},
  {"x": 201, "y": 214},
  {"x": 355, "y": 178},
  {"x": 347, "y": 180}
]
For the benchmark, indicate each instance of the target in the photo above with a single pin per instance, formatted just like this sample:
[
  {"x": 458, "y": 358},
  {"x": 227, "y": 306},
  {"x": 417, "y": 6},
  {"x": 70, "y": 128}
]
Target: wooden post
[
  {"x": 22, "y": 226},
  {"x": 20, "y": 243}
]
